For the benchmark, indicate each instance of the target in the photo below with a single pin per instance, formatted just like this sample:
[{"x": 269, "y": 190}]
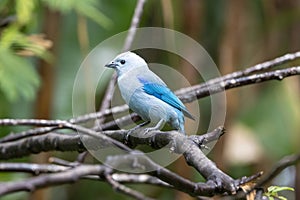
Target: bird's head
[{"x": 126, "y": 62}]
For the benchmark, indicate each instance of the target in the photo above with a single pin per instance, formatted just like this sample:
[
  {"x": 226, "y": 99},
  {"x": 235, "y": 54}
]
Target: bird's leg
[
  {"x": 134, "y": 129},
  {"x": 158, "y": 126}
]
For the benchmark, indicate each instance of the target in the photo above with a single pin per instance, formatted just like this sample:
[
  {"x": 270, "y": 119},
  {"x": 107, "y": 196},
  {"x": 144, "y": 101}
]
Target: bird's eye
[{"x": 122, "y": 62}]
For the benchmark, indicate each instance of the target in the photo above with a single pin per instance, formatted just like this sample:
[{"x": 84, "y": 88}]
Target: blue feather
[{"x": 163, "y": 93}]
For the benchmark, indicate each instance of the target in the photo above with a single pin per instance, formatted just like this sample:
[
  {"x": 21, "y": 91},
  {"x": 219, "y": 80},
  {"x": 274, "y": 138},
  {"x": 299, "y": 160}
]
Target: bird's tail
[{"x": 188, "y": 114}]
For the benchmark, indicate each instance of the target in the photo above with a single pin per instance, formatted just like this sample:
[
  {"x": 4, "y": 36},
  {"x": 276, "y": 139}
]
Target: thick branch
[
  {"x": 72, "y": 142},
  {"x": 43, "y": 143},
  {"x": 163, "y": 174},
  {"x": 63, "y": 124},
  {"x": 181, "y": 144}
]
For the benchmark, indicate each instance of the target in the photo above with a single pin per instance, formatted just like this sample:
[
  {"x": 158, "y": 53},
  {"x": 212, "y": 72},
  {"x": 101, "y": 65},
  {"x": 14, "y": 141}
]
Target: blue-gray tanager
[{"x": 146, "y": 94}]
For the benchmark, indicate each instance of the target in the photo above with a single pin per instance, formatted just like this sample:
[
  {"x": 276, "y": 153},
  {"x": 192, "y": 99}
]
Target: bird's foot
[
  {"x": 148, "y": 130},
  {"x": 155, "y": 128},
  {"x": 126, "y": 137},
  {"x": 130, "y": 131}
]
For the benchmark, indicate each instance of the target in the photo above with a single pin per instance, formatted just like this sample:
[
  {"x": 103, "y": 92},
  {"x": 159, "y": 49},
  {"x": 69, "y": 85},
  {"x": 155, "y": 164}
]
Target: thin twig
[
  {"x": 27, "y": 133},
  {"x": 69, "y": 176},
  {"x": 106, "y": 100},
  {"x": 206, "y": 89},
  {"x": 62, "y": 162},
  {"x": 35, "y": 169},
  {"x": 123, "y": 189},
  {"x": 244, "y": 180},
  {"x": 134, "y": 24},
  {"x": 261, "y": 67},
  {"x": 139, "y": 178},
  {"x": 81, "y": 157},
  {"x": 44, "y": 130},
  {"x": 279, "y": 166},
  {"x": 62, "y": 124}
]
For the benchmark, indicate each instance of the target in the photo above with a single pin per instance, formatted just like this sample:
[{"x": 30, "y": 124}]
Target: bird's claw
[
  {"x": 155, "y": 128},
  {"x": 149, "y": 130},
  {"x": 126, "y": 137}
]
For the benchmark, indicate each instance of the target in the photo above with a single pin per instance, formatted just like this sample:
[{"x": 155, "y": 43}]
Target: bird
[{"x": 147, "y": 94}]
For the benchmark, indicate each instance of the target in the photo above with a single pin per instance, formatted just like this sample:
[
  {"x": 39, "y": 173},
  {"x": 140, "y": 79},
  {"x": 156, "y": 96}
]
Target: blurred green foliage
[
  {"x": 86, "y": 8},
  {"x": 18, "y": 77}
]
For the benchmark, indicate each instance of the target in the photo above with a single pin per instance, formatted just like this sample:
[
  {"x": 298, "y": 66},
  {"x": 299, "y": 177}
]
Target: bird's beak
[{"x": 111, "y": 65}]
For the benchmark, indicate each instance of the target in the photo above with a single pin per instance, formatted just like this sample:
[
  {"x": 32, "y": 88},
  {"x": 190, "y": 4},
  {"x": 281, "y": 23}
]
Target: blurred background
[{"x": 43, "y": 42}]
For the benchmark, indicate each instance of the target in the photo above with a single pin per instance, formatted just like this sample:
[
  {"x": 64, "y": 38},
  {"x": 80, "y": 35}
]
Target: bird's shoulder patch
[{"x": 163, "y": 93}]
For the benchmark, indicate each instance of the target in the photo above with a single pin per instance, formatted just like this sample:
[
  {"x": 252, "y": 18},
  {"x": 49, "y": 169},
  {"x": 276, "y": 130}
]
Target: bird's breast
[{"x": 128, "y": 85}]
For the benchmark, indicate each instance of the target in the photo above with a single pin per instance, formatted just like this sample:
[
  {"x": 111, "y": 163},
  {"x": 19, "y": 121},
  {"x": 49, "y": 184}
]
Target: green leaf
[
  {"x": 8, "y": 36},
  {"x": 275, "y": 189},
  {"x": 24, "y": 10},
  {"x": 282, "y": 198},
  {"x": 18, "y": 78},
  {"x": 90, "y": 11},
  {"x": 87, "y": 8},
  {"x": 62, "y": 6},
  {"x": 273, "y": 192}
]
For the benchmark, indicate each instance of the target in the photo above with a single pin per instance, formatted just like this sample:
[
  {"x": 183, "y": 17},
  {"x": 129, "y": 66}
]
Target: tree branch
[
  {"x": 193, "y": 93},
  {"x": 62, "y": 124},
  {"x": 70, "y": 176},
  {"x": 206, "y": 89},
  {"x": 35, "y": 169},
  {"x": 72, "y": 142},
  {"x": 123, "y": 189},
  {"x": 261, "y": 67},
  {"x": 181, "y": 144},
  {"x": 278, "y": 167},
  {"x": 42, "y": 143},
  {"x": 134, "y": 24}
]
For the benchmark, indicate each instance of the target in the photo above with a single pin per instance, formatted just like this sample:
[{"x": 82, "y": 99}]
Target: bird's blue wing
[{"x": 163, "y": 93}]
